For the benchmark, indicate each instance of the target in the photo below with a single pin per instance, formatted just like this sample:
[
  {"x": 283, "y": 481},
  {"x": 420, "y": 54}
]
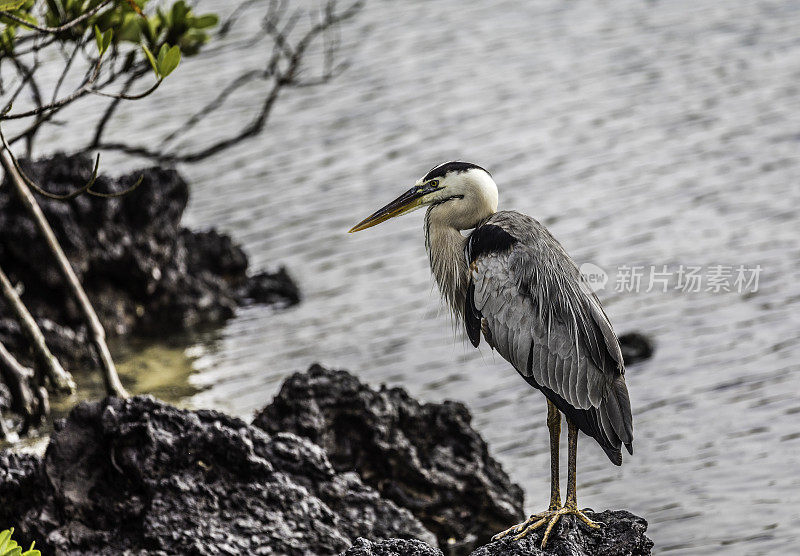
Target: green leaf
[
  {"x": 170, "y": 61},
  {"x": 9, "y": 547},
  {"x": 98, "y": 37},
  {"x": 161, "y": 53},
  {"x": 103, "y": 39},
  {"x": 7, "y": 39},
  {"x": 204, "y": 21},
  {"x": 179, "y": 12},
  {"x": 151, "y": 58},
  {"x": 6, "y": 5},
  {"x": 107, "y": 39},
  {"x": 149, "y": 26},
  {"x": 129, "y": 29},
  {"x": 4, "y": 537}
]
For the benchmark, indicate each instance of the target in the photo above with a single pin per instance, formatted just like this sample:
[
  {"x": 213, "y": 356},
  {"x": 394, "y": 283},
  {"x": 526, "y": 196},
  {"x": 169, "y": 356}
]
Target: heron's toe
[
  {"x": 521, "y": 529},
  {"x": 549, "y": 518}
]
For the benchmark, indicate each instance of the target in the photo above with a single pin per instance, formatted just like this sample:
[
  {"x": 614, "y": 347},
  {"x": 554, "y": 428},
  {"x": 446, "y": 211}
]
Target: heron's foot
[
  {"x": 533, "y": 522},
  {"x": 548, "y": 518}
]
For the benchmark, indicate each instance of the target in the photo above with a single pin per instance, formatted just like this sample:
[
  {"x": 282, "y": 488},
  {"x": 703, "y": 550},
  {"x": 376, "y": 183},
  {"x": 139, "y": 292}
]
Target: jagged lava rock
[
  {"x": 391, "y": 547},
  {"x": 424, "y": 457},
  {"x": 142, "y": 270},
  {"x": 142, "y": 477},
  {"x": 622, "y": 534}
]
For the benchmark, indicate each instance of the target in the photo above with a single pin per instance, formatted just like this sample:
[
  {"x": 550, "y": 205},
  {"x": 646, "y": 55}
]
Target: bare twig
[
  {"x": 87, "y": 188},
  {"x": 123, "y": 96},
  {"x": 28, "y": 75},
  {"x": 37, "y": 46},
  {"x": 112, "y": 107},
  {"x": 23, "y": 82},
  {"x": 60, "y": 378},
  {"x": 122, "y": 193},
  {"x": 230, "y": 88},
  {"x": 113, "y": 384},
  {"x": 49, "y": 115},
  {"x": 292, "y": 57},
  {"x": 18, "y": 378},
  {"x": 65, "y": 71},
  {"x": 75, "y": 95},
  {"x": 227, "y": 25}
]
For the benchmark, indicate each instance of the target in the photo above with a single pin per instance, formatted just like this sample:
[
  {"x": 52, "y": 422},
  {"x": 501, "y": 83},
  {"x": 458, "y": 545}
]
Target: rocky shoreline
[
  {"x": 425, "y": 457},
  {"x": 331, "y": 466},
  {"x": 144, "y": 273},
  {"x": 139, "y": 476}
]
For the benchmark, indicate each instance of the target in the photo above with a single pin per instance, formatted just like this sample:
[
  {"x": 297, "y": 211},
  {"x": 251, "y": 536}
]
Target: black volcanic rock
[
  {"x": 391, "y": 547},
  {"x": 636, "y": 347},
  {"x": 623, "y": 534},
  {"x": 142, "y": 477},
  {"x": 142, "y": 270},
  {"x": 424, "y": 457}
]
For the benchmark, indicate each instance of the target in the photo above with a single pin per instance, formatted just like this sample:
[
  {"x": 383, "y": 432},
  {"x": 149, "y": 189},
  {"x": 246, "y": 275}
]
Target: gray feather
[{"x": 551, "y": 327}]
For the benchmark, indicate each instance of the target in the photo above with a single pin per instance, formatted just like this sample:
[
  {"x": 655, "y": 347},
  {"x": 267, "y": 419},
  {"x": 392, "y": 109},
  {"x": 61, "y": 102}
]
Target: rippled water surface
[{"x": 641, "y": 133}]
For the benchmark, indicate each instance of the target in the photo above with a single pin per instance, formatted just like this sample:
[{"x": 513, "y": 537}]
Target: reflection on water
[
  {"x": 161, "y": 368},
  {"x": 640, "y": 132}
]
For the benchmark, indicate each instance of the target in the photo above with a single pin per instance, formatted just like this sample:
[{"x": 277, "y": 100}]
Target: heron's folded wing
[
  {"x": 554, "y": 332},
  {"x": 544, "y": 319}
]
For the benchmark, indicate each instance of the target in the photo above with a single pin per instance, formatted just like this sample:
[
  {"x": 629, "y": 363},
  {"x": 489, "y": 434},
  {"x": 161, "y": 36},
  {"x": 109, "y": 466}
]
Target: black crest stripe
[{"x": 443, "y": 169}]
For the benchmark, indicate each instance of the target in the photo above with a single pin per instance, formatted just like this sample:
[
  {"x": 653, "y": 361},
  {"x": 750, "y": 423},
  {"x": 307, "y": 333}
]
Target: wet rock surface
[
  {"x": 623, "y": 534},
  {"x": 143, "y": 271},
  {"x": 391, "y": 547},
  {"x": 424, "y": 457},
  {"x": 142, "y": 477},
  {"x": 139, "y": 476}
]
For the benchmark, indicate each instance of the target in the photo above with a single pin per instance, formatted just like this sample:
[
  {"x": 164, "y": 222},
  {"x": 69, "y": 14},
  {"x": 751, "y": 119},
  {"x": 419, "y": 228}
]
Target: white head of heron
[{"x": 460, "y": 193}]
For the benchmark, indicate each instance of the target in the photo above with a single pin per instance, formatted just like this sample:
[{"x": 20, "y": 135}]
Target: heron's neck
[{"x": 445, "y": 246}]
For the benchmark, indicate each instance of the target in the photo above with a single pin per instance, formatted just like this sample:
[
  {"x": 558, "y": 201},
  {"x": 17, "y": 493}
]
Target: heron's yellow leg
[
  {"x": 554, "y": 424},
  {"x": 552, "y": 515},
  {"x": 571, "y": 503},
  {"x": 537, "y": 520}
]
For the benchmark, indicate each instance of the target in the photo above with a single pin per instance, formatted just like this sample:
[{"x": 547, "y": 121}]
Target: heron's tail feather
[
  {"x": 615, "y": 415},
  {"x": 615, "y": 455}
]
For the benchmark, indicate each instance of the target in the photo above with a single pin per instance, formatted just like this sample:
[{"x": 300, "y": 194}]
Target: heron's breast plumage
[{"x": 445, "y": 246}]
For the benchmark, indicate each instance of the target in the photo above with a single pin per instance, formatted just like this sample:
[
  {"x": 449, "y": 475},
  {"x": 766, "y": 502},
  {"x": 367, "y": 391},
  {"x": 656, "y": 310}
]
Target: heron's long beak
[{"x": 406, "y": 202}]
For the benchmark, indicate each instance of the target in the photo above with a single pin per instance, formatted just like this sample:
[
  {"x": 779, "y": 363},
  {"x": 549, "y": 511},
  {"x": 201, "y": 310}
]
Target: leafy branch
[
  {"x": 9, "y": 547},
  {"x": 281, "y": 69},
  {"x": 124, "y": 38}
]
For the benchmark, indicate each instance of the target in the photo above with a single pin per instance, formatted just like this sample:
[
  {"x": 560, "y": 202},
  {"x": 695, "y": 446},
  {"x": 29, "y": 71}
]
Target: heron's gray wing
[{"x": 546, "y": 322}]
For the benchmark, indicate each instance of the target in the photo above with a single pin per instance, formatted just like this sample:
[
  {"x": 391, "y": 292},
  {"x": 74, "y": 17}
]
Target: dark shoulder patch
[
  {"x": 442, "y": 169},
  {"x": 488, "y": 238},
  {"x": 472, "y": 317}
]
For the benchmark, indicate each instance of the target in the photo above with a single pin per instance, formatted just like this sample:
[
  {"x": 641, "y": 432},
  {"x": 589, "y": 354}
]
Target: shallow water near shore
[{"x": 641, "y": 134}]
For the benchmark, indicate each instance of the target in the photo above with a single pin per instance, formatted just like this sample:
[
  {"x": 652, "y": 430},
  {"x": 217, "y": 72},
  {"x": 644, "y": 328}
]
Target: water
[{"x": 641, "y": 133}]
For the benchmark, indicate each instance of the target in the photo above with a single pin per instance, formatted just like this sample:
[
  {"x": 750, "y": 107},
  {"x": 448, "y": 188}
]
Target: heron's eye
[{"x": 433, "y": 183}]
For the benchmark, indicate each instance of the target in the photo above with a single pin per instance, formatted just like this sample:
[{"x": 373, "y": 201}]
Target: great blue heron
[{"x": 510, "y": 279}]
